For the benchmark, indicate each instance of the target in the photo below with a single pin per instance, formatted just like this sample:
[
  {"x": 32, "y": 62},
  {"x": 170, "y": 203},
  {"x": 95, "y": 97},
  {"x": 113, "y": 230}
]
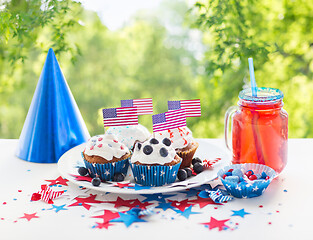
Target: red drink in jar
[{"x": 259, "y": 129}]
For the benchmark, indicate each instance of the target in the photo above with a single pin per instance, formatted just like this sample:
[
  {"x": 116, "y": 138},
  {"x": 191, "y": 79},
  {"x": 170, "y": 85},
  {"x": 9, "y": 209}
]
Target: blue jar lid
[{"x": 264, "y": 94}]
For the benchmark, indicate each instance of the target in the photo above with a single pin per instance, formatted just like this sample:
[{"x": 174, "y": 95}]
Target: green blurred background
[{"x": 175, "y": 50}]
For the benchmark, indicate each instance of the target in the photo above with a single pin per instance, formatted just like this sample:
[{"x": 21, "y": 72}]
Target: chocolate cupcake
[{"x": 183, "y": 143}]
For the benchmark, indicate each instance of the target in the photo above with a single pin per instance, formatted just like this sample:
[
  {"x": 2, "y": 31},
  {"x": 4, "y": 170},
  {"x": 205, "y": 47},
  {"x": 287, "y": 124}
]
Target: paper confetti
[
  {"x": 214, "y": 223},
  {"x": 29, "y": 216},
  {"x": 209, "y": 163},
  {"x": 240, "y": 213},
  {"x": 218, "y": 197},
  {"x": 83, "y": 201},
  {"x": 46, "y": 194},
  {"x": 59, "y": 180}
]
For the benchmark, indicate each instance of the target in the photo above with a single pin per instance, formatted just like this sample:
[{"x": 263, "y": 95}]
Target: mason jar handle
[{"x": 229, "y": 113}]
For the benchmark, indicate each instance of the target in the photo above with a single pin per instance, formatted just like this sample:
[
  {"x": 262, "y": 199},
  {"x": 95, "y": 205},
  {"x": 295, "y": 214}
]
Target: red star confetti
[
  {"x": 59, "y": 180},
  {"x": 30, "y": 216},
  {"x": 123, "y": 185},
  {"x": 203, "y": 202},
  {"x": 82, "y": 178},
  {"x": 107, "y": 215},
  {"x": 142, "y": 205},
  {"x": 82, "y": 201},
  {"x": 210, "y": 163},
  {"x": 119, "y": 202},
  {"x": 182, "y": 205},
  {"x": 214, "y": 223},
  {"x": 46, "y": 194},
  {"x": 105, "y": 225}
]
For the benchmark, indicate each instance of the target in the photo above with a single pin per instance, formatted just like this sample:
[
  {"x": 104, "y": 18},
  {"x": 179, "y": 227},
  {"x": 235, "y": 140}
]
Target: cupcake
[
  {"x": 104, "y": 156},
  {"x": 131, "y": 134},
  {"x": 183, "y": 143},
  {"x": 155, "y": 162}
]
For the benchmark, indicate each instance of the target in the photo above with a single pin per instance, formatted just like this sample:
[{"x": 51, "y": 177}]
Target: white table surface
[{"x": 284, "y": 211}]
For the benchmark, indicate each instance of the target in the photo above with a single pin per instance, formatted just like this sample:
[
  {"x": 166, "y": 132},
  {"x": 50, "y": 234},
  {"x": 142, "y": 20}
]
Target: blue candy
[
  {"x": 237, "y": 172},
  {"x": 258, "y": 176},
  {"x": 228, "y": 174},
  {"x": 263, "y": 175},
  {"x": 232, "y": 179}
]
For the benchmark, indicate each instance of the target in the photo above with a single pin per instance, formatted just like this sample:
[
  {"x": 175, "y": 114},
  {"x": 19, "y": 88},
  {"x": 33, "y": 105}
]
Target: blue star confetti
[
  {"x": 187, "y": 212},
  {"x": 240, "y": 213},
  {"x": 165, "y": 206},
  {"x": 58, "y": 208},
  {"x": 128, "y": 218},
  {"x": 156, "y": 197}
]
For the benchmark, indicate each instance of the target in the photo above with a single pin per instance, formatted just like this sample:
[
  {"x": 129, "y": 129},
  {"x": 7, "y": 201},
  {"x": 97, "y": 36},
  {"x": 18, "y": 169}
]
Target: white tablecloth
[{"x": 284, "y": 211}]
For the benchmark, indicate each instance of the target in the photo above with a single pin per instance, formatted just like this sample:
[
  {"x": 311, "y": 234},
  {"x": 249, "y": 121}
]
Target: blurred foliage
[
  {"x": 278, "y": 35},
  {"x": 132, "y": 62},
  {"x": 155, "y": 55}
]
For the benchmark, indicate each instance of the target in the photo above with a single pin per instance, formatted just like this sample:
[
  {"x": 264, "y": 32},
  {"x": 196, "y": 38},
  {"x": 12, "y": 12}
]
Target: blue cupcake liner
[
  {"x": 106, "y": 171},
  {"x": 154, "y": 176},
  {"x": 247, "y": 189}
]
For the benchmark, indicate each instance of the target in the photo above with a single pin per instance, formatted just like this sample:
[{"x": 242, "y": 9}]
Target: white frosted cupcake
[
  {"x": 155, "y": 162},
  {"x": 183, "y": 143},
  {"x": 104, "y": 155},
  {"x": 131, "y": 134}
]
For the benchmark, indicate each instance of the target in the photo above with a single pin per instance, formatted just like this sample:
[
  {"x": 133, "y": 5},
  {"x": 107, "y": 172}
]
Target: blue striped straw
[{"x": 252, "y": 78}]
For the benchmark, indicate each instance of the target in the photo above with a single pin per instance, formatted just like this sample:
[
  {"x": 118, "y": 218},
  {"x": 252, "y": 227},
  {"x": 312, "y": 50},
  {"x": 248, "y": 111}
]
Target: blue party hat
[{"x": 53, "y": 124}]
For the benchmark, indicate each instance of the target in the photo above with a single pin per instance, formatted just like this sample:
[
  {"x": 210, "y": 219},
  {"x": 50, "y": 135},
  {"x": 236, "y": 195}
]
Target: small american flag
[
  {"x": 144, "y": 105},
  {"x": 192, "y": 107},
  {"x": 120, "y": 116},
  {"x": 169, "y": 120}
]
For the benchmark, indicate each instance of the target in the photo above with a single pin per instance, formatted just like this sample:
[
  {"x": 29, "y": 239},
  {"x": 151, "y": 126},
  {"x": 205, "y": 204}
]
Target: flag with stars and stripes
[
  {"x": 120, "y": 116},
  {"x": 169, "y": 120},
  {"x": 144, "y": 105},
  {"x": 192, "y": 107}
]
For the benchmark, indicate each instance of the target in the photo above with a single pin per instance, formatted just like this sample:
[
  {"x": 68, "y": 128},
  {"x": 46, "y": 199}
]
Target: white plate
[{"x": 69, "y": 162}]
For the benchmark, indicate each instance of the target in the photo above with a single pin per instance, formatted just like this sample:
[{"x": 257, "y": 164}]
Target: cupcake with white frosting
[
  {"x": 183, "y": 143},
  {"x": 155, "y": 162},
  {"x": 104, "y": 155},
  {"x": 130, "y": 134}
]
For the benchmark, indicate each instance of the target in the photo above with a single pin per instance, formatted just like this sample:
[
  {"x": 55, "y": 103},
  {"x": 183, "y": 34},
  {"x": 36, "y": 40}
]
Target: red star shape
[
  {"x": 214, "y": 223},
  {"x": 59, "y": 180},
  {"x": 105, "y": 225},
  {"x": 107, "y": 215},
  {"x": 121, "y": 202},
  {"x": 203, "y": 202},
  {"x": 82, "y": 201},
  {"x": 142, "y": 205},
  {"x": 182, "y": 205},
  {"x": 81, "y": 178},
  {"x": 30, "y": 216},
  {"x": 122, "y": 185}
]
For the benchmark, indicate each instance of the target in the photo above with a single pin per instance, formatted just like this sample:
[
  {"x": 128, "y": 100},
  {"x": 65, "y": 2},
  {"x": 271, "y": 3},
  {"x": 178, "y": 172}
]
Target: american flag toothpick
[
  {"x": 144, "y": 105},
  {"x": 192, "y": 107},
  {"x": 169, "y": 120},
  {"x": 120, "y": 116}
]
